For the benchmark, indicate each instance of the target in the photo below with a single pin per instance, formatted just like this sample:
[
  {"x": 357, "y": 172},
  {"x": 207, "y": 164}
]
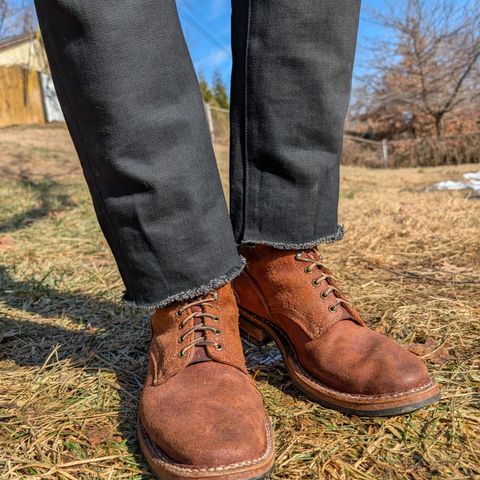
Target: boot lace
[
  {"x": 198, "y": 327},
  {"x": 316, "y": 263}
]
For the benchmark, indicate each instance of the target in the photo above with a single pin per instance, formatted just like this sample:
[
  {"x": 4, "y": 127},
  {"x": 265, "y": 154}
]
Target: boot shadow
[{"x": 265, "y": 362}]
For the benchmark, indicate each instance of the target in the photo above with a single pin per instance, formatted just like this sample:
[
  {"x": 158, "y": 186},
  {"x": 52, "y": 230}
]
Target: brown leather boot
[
  {"x": 200, "y": 414},
  {"x": 330, "y": 354}
]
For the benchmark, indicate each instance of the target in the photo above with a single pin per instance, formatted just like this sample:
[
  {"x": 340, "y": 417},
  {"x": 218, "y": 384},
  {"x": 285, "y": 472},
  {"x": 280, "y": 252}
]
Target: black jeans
[{"x": 132, "y": 104}]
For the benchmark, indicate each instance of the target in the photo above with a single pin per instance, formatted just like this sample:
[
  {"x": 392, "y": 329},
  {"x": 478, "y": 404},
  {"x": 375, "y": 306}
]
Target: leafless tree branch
[{"x": 428, "y": 61}]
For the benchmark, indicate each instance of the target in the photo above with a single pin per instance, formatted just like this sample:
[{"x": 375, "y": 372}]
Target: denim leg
[
  {"x": 131, "y": 100},
  {"x": 291, "y": 82}
]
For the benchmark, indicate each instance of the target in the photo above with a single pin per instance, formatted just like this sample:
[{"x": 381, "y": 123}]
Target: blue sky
[{"x": 206, "y": 25}]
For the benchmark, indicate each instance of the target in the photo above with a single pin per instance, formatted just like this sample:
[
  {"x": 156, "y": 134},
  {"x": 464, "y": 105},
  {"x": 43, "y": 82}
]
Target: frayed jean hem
[
  {"x": 192, "y": 292},
  {"x": 334, "y": 237}
]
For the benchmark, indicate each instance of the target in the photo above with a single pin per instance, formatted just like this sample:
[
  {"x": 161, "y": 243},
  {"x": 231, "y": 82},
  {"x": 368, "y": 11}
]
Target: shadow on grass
[
  {"x": 113, "y": 339},
  {"x": 50, "y": 197}
]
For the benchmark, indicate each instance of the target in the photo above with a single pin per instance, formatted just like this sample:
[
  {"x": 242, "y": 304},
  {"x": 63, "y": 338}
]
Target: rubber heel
[{"x": 252, "y": 333}]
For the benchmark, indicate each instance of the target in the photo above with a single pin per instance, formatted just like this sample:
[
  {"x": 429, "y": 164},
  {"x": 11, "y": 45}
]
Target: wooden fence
[
  {"x": 412, "y": 152},
  {"x": 21, "y": 100}
]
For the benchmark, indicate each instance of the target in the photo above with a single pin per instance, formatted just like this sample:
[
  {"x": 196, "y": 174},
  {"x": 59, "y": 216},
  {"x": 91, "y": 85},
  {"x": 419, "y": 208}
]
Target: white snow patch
[
  {"x": 472, "y": 176},
  {"x": 472, "y": 182}
]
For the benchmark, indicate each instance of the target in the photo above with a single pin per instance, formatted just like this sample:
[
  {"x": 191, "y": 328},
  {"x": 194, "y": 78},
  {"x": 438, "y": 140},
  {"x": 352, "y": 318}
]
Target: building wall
[{"x": 28, "y": 54}]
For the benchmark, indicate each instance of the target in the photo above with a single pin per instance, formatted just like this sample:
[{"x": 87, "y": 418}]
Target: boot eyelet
[
  {"x": 298, "y": 256},
  {"x": 181, "y": 353},
  {"x": 215, "y": 295},
  {"x": 178, "y": 313},
  {"x": 219, "y": 347},
  {"x": 180, "y": 339},
  {"x": 180, "y": 326},
  {"x": 218, "y": 331},
  {"x": 324, "y": 295},
  {"x": 332, "y": 308},
  {"x": 215, "y": 318},
  {"x": 308, "y": 269},
  {"x": 315, "y": 282}
]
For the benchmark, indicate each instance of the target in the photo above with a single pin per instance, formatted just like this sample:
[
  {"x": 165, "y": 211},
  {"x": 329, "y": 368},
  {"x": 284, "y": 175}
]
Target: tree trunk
[{"x": 439, "y": 125}]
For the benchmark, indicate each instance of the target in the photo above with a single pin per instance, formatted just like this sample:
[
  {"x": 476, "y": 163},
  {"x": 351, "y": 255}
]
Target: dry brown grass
[{"x": 73, "y": 358}]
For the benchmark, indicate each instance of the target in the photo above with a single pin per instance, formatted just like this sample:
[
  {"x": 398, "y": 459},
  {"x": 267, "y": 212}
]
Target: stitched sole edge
[
  {"x": 334, "y": 399},
  {"x": 165, "y": 468}
]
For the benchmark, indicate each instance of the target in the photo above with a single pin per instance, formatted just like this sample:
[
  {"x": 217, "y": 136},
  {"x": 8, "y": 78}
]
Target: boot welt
[
  {"x": 165, "y": 468},
  {"x": 260, "y": 330}
]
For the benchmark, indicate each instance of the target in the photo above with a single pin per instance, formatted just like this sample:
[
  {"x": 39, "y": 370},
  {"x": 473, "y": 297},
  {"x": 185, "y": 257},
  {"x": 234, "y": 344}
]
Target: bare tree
[
  {"x": 16, "y": 17},
  {"x": 4, "y": 11},
  {"x": 427, "y": 64}
]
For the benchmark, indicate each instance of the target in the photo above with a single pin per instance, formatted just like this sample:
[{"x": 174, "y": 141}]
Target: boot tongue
[{"x": 199, "y": 351}]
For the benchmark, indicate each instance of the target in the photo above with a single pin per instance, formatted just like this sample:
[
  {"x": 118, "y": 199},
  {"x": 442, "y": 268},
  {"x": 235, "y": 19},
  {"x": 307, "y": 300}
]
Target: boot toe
[
  {"x": 209, "y": 415},
  {"x": 415, "y": 372},
  {"x": 391, "y": 369},
  {"x": 371, "y": 365}
]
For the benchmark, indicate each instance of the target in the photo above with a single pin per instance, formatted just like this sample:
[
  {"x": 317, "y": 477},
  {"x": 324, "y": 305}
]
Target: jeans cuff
[
  {"x": 334, "y": 237},
  {"x": 193, "y": 292}
]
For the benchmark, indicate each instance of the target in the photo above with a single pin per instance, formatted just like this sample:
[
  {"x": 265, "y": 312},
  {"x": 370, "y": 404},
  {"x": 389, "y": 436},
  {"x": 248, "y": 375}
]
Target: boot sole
[
  {"x": 260, "y": 331},
  {"x": 165, "y": 468}
]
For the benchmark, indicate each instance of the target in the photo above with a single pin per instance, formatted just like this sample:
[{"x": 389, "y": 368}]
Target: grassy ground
[{"x": 73, "y": 358}]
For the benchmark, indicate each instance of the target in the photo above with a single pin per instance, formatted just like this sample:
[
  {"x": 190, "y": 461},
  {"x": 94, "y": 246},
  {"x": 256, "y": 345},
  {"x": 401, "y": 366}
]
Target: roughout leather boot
[
  {"x": 200, "y": 414},
  {"x": 330, "y": 354}
]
